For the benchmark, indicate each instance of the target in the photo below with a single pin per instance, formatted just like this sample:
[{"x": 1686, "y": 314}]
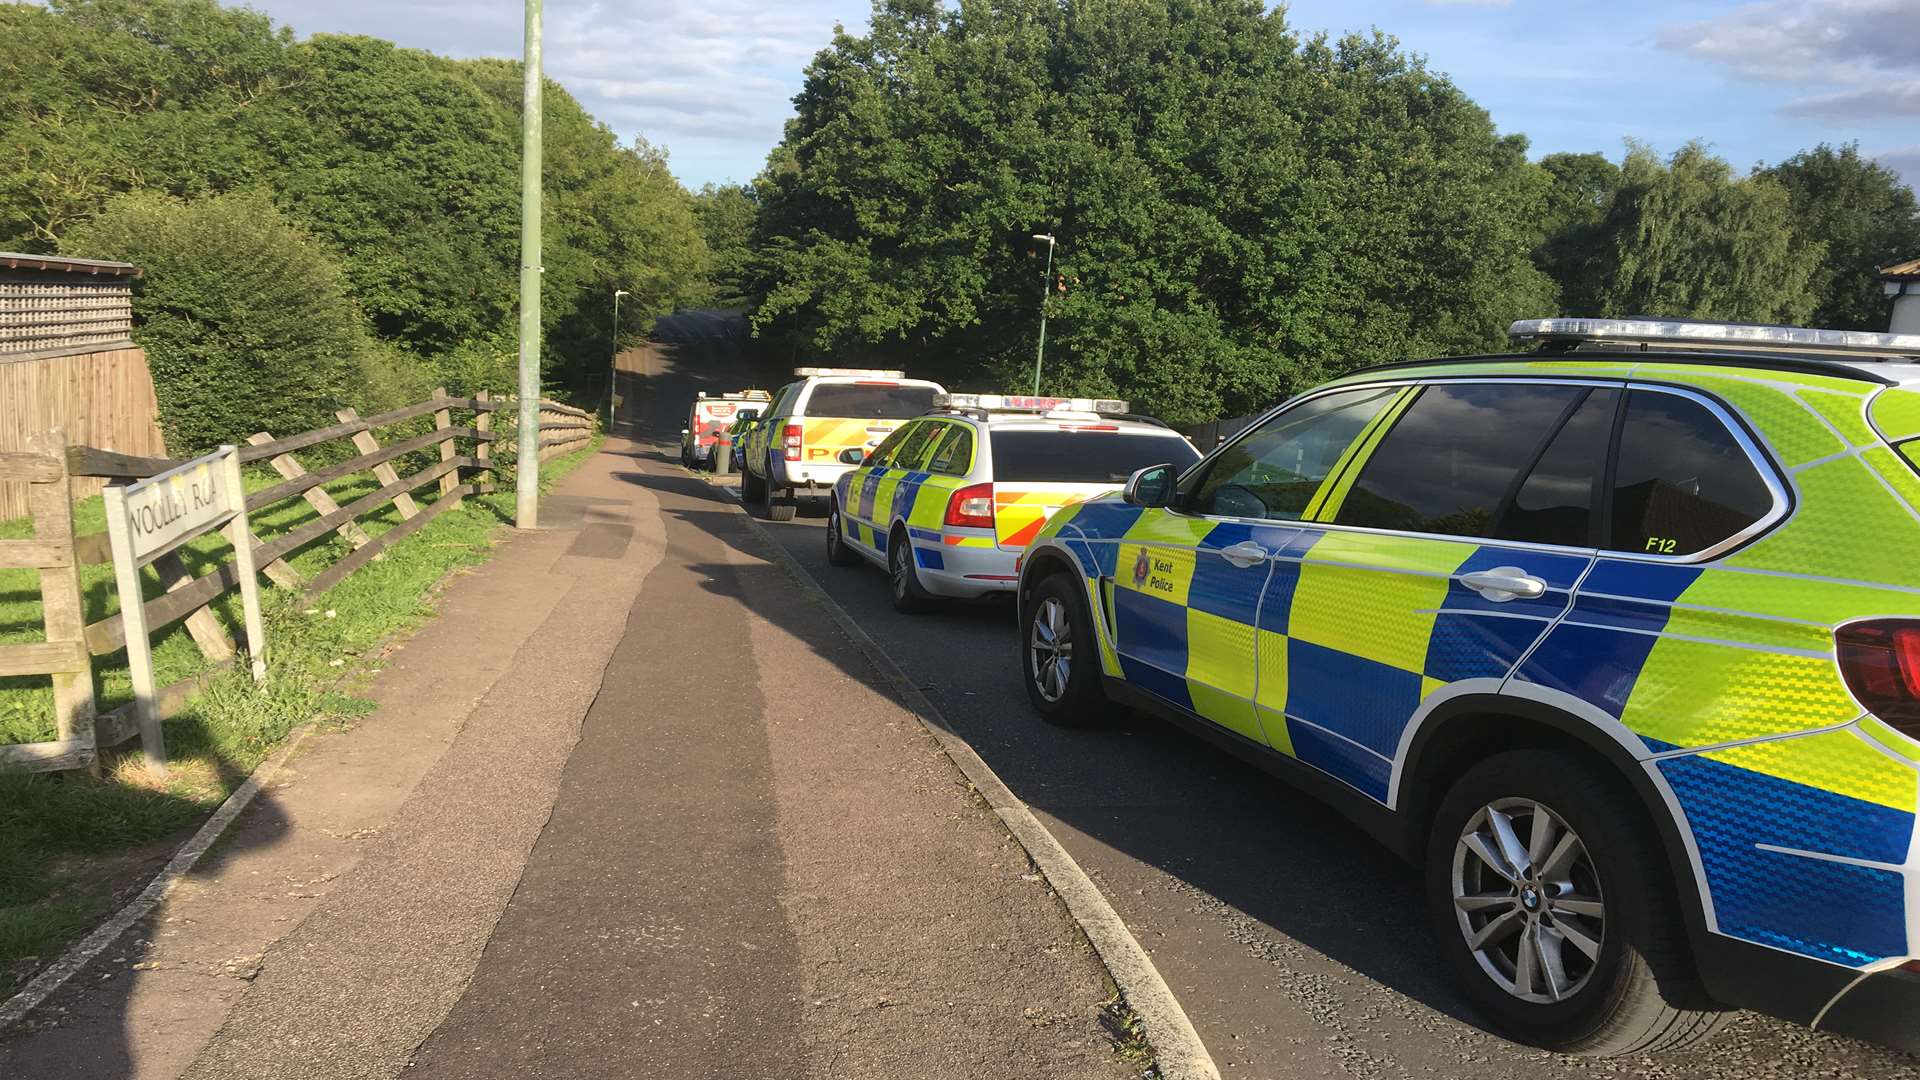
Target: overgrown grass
[{"x": 54, "y": 830}]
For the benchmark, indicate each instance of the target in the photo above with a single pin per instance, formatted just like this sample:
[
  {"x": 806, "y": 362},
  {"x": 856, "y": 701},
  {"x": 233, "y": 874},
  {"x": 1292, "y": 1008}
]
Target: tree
[
  {"x": 1239, "y": 213},
  {"x": 246, "y": 320},
  {"x": 1580, "y": 189},
  {"x": 1865, "y": 215},
  {"x": 727, "y": 214},
  {"x": 1686, "y": 239},
  {"x": 403, "y": 164}
]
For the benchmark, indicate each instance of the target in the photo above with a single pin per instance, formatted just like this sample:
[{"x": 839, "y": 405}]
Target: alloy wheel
[
  {"x": 1051, "y": 649},
  {"x": 1527, "y": 899}
]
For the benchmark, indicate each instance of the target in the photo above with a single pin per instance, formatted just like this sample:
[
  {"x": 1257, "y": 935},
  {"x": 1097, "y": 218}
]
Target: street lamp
[
  {"x": 613, "y": 362},
  {"x": 1046, "y": 282}
]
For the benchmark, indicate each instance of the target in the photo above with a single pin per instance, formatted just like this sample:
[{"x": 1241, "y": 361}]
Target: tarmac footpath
[{"x": 631, "y": 806}]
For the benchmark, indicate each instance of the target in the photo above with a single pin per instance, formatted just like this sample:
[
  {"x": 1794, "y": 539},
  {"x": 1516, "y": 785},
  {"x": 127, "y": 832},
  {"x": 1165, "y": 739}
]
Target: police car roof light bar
[
  {"x": 862, "y": 373},
  {"x": 1028, "y": 404},
  {"x": 1688, "y": 332}
]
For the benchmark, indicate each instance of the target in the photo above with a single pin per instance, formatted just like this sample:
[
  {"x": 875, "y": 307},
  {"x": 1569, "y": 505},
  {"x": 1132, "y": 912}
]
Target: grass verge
[{"x": 71, "y": 846}]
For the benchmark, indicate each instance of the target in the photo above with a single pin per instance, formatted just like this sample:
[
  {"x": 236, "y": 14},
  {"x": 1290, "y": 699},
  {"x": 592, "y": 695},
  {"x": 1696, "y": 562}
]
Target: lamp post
[
  {"x": 1046, "y": 282},
  {"x": 613, "y": 363},
  {"x": 526, "y": 465}
]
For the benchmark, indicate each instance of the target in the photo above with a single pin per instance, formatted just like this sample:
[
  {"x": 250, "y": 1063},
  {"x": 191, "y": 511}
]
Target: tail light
[
  {"x": 1880, "y": 659},
  {"x": 791, "y": 440},
  {"x": 971, "y": 507}
]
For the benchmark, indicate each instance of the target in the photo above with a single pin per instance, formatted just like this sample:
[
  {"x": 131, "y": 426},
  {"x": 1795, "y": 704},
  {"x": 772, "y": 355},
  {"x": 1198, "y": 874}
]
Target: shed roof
[
  {"x": 1905, "y": 271},
  {"x": 14, "y": 260}
]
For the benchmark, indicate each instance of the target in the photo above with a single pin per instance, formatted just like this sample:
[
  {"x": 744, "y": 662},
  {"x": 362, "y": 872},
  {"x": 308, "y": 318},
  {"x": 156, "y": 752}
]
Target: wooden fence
[{"x": 52, "y": 470}]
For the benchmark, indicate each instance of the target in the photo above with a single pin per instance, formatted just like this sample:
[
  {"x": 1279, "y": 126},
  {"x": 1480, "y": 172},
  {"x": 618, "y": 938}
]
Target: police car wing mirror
[
  {"x": 852, "y": 455},
  {"x": 1151, "y": 486}
]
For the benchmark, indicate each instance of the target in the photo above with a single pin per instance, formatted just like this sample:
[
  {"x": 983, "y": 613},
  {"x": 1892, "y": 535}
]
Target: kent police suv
[{"x": 1620, "y": 639}]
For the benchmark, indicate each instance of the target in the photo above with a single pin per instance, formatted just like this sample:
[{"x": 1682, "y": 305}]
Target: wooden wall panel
[{"x": 102, "y": 399}]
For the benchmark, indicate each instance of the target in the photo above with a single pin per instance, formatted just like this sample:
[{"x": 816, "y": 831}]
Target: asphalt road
[{"x": 1297, "y": 946}]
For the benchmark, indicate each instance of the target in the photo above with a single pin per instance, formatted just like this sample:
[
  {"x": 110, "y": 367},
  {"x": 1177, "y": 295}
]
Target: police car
[
  {"x": 948, "y": 502},
  {"x": 794, "y": 451},
  {"x": 1619, "y": 639}
]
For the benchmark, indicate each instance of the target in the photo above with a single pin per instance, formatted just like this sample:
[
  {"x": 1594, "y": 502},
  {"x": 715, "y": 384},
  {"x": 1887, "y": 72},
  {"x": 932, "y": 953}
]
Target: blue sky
[{"x": 711, "y": 79}]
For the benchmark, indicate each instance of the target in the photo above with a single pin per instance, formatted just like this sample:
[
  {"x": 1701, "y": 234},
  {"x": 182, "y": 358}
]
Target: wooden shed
[{"x": 67, "y": 360}]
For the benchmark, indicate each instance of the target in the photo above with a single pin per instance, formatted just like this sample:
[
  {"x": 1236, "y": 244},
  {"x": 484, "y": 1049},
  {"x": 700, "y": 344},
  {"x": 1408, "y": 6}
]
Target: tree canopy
[
  {"x": 1238, "y": 211},
  {"x": 401, "y": 165},
  {"x": 1241, "y": 210}
]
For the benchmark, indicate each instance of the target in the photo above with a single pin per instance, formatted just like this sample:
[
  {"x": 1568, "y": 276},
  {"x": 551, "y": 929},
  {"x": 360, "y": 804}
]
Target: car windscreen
[
  {"x": 870, "y": 401},
  {"x": 1082, "y": 456}
]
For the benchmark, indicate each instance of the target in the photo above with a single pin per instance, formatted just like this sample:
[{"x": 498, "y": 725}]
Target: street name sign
[{"x": 150, "y": 517}]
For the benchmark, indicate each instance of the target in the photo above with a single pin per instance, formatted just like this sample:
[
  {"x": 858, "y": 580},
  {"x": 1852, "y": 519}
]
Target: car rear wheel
[
  {"x": 781, "y": 507},
  {"x": 838, "y": 553},
  {"x": 753, "y": 490},
  {"x": 909, "y": 597},
  {"x": 1546, "y": 888},
  {"x": 1059, "y": 654}
]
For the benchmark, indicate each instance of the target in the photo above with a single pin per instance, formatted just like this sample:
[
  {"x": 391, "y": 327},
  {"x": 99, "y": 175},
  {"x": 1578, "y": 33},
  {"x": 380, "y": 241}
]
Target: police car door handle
[
  {"x": 1245, "y": 554},
  {"x": 1503, "y": 583}
]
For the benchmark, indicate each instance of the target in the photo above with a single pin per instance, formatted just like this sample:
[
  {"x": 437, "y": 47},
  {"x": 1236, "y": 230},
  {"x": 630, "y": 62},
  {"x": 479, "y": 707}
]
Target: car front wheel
[
  {"x": 1547, "y": 890},
  {"x": 1060, "y": 655}
]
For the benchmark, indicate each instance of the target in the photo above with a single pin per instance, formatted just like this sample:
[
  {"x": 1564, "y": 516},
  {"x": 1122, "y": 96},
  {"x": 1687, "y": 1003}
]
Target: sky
[{"x": 712, "y": 80}]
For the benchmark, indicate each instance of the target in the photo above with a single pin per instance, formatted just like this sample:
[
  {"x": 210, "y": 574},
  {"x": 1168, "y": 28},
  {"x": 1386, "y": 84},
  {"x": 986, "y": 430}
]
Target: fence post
[
  {"x": 384, "y": 472},
  {"x": 442, "y": 420},
  {"x": 483, "y": 449},
  {"x": 51, "y": 504}
]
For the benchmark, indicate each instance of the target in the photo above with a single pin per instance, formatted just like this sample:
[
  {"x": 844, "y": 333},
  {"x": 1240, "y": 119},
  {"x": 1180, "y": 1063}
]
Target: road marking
[
  {"x": 81, "y": 954},
  {"x": 1178, "y": 1051}
]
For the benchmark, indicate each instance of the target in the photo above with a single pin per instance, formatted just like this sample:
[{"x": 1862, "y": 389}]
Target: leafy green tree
[
  {"x": 1686, "y": 238},
  {"x": 404, "y": 164},
  {"x": 246, "y": 320},
  {"x": 1239, "y": 213},
  {"x": 1867, "y": 217},
  {"x": 727, "y": 214},
  {"x": 1580, "y": 188}
]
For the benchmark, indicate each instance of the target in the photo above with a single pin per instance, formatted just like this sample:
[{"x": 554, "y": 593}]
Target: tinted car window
[
  {"x": 1082, "y": 457},
  {"x": 1555, "y": 503},
  {"x": 1681, "y": 481},
  {"x": 869, "y": 402},
  {"x": 1450, "y": 460},
  {"x": 913, "y": 449},
  {"x": 953, "y": 455},
  {"x": 1274, "y": 472},
  {"x": 883, "y": 454}
]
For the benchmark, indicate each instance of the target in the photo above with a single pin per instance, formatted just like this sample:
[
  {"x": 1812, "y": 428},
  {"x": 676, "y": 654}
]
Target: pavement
[{"x": 630, "y": 806}]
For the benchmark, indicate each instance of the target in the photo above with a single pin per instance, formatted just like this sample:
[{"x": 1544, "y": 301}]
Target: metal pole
[
  {"x": 613, "y": 362},
  {"x": 527, "y": 464},
  {"x": 1046, "y": 283}
]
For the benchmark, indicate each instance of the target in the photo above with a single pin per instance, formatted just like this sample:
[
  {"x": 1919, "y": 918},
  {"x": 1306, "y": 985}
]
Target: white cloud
[
  {"x": 1805, "y": 40},
  {"x": 1898, "y": 98},
  {"x": 720, "y": 72}
]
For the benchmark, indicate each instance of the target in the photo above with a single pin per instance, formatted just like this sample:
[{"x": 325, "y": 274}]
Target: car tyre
[
  {"x": 753, "y": 490},
  {"x": 1059, "y": 654},
  {"x": 909, "y": 596},
  {"x": 781, "y": 508},
  {"x": 1589, "y": 955},
  {"x": 838, "y": 553}
]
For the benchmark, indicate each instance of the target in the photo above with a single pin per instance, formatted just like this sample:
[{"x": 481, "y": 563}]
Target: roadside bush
[{"x": 246, "y": 320}]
